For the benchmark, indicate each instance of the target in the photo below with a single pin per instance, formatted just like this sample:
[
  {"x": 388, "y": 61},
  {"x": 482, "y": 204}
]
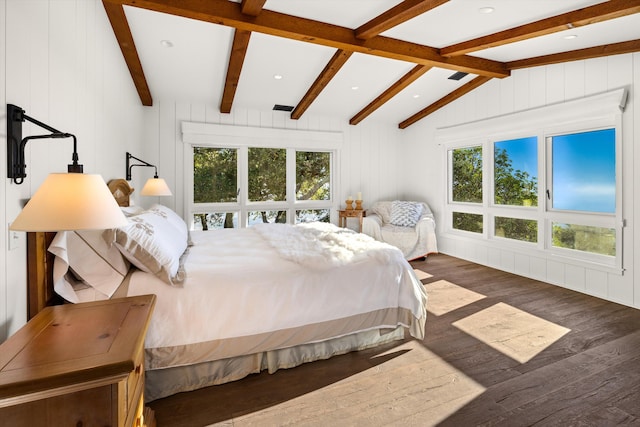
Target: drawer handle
[{"x": 138, "y": 369}]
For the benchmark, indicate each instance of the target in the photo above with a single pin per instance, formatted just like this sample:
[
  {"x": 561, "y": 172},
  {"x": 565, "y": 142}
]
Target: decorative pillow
[
  {"x": 173, "y": 218},
  {"x": 405, "y": 214},
  {"x": 153, "y": 244},
  {"x": 90, "y": 260},
  {"x": 131, "y": 210},
  {"x": 383, "y": 210}
]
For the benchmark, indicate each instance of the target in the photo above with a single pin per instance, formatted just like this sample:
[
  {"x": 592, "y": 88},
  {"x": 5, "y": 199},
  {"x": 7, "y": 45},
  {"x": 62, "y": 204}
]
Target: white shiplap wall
[
  {"x": 527, "y": 89},
  {"x": 60, "y": 62}
]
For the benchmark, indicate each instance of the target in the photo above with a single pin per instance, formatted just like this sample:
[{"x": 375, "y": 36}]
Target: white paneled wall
[
  {"x": 527, "y": 89},
  {"x": 60, "y": 62},
  {"x": 369, "y": 156},
  {"x": 4, "y": 317}
]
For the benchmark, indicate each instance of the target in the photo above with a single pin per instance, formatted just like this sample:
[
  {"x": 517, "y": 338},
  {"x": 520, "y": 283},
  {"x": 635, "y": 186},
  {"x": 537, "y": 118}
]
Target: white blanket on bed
[
  {"x": 321, "y": 245},
  {"x": 241, "y": 297}
]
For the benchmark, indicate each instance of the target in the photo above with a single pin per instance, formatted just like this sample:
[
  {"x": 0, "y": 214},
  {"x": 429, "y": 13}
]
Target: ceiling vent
[
  {"x": 279, "y": 107},
  {"x": 457, "y": 76}
]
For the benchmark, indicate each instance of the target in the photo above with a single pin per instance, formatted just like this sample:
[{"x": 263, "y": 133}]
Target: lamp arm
[
  {"x": 16, "y": 161},
  {"x": 39, "y": 123},
  {"x": 21, "y": 166},
  {"x": 143, "y": 163}
]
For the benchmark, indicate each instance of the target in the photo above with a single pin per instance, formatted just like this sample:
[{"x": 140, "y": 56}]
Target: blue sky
[
  {"x": 583, "y": 168},
  {"x": 523, "y": 153}
]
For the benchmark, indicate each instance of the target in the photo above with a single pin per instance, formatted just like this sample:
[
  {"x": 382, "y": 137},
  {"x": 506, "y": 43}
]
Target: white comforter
[{"x": 276, "y": 286}]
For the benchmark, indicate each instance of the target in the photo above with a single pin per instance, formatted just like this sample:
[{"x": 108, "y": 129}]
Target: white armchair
[{"x": 414, "y": 241}]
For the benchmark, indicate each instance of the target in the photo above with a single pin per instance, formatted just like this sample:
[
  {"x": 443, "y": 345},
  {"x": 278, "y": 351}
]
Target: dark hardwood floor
[{"x": 499, "y": 350}]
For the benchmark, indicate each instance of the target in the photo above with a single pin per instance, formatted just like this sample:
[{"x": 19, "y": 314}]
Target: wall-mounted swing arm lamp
[
  {"x": 154, "y": 186},
  {"x": 64, "y": 201},
  {"x": 16, "y": 167}
]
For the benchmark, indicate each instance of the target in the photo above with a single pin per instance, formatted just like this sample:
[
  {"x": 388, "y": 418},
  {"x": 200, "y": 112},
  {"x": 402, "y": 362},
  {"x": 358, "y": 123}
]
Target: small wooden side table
[
  {"x": 343, "y": 214},
  {"x": 78, "y": 365}
]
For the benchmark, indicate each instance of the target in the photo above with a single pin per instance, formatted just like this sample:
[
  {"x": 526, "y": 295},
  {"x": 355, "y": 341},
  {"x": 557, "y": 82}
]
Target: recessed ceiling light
[
  {"x": 355, "y": 87},
  {"x": 277, "y": 76},
  {"x": 486, "y": 10},
  {"x": 570, "y": 37},
  {"x": 416, "y": 96},
  {"x": 166, "y": 43}
]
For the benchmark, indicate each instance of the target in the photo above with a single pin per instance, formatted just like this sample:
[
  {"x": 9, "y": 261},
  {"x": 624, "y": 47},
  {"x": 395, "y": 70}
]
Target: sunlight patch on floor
[
  {"x": 511, "y": 331},
  {"x": 414, "y": 388},
  {"x": 422, "y": 274},
  {"x": 445, "y": 296}
]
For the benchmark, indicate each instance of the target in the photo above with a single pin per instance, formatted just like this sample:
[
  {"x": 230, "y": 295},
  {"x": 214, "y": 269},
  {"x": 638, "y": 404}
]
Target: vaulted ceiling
[{"x": 388, "y": 60}]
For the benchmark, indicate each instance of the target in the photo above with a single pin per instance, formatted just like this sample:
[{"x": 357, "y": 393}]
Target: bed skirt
[{"x": 161, "y": 383}]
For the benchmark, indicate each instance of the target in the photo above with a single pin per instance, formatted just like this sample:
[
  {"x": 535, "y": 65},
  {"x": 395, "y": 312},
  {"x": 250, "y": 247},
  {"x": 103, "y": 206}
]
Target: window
[
  {"x": 515, "y": 172},
  {"x": 579, "y": 217},
  {"x": 583, "y": 176},
  {"x": 597, "y": 240},
  {"x": 220, "y": 174},
  {"x": 584, "y": 171},
  {"x": 267, "y": 174},
  {"x": 544, "y": 180},
  {"x": 581, "y": 191},
  {"x": 313, "y": 183},
  {"x": 467, "y": 222},
  {"x": 311, "y": 215},
  {"x": 313, "y": 175},
  {"x": 466, "y": 166},
  {"x": 215, "y": 181},
  {"x": 215, "y": 175},
  {"x": 525, "y": 230}
]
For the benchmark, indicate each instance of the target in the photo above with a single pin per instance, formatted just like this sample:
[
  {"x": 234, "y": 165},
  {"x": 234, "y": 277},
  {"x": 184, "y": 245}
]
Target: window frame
[
  {"x": 596, "y": 219},
  {"x": 243, "y": 138},
  {"x": 597, "y": 112}
]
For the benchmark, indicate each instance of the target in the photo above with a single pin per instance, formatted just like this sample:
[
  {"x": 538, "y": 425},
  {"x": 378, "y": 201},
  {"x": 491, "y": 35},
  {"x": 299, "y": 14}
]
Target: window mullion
[{"x": 291, "y": 185}]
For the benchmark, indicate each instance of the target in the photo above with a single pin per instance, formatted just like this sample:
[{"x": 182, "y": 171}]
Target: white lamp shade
[
  {"x": 70, "y": 201},
  {"x": 155, "y": 187}
]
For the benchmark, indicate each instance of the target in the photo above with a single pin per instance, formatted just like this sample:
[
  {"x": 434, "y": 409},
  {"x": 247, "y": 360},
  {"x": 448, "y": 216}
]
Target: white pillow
[
  {"x": 131, "y": 210},
  {"x": 405, "y": 214},
  {"x": 153, "y": 244},
  {"x": 383, "y": 209},
  {"x": 172, "y": 217},
  {"x": 90, "y": 260}
]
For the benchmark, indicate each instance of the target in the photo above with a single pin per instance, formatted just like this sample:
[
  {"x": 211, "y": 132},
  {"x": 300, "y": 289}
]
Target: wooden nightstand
[
  {"x": 78, "y": 365},
  {"x": 351, "y": 213}
]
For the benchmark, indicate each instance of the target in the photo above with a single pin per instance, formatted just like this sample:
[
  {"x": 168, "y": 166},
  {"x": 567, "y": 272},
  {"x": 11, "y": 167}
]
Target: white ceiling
[{"x": 194, "y": 69}]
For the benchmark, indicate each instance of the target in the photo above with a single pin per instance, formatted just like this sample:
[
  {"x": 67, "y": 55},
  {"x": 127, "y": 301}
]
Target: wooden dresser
[{"x": 78, "y": 365}]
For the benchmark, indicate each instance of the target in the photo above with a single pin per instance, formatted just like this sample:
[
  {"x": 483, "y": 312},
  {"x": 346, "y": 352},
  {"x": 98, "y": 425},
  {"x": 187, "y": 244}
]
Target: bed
[{"x": 233, "y": 302}]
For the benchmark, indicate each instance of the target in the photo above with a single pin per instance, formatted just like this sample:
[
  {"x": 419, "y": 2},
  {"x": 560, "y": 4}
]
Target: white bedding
[{"x": 243, "y": 296}]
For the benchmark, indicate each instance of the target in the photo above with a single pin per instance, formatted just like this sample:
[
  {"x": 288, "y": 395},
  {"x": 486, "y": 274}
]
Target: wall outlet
[{"x": 14, "y": 238}]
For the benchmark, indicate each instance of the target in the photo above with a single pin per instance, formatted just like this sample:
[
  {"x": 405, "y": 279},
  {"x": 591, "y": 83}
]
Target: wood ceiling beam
[
  {"x": 252, "y": 7},
  {"x": 330, "y": 70},
  {"x": 576, "y": 55},
  {"x": 118, "y": 20},
  {"x": 589, "y": 15},
  {"x": 224, "y": 12},
  {"x": 413, "y": 75},
  {"x": 238, "y": 52},
  {"x": 398, "y": 14},
  {"x": 236, "y": 59},
  {"x": 462, "y": 90}
]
